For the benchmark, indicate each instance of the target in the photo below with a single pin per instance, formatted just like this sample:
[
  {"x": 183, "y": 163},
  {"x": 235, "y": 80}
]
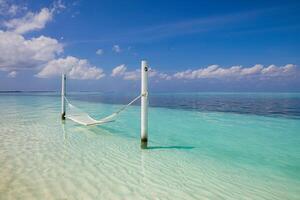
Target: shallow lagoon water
[{"x": 196, "y": 150}]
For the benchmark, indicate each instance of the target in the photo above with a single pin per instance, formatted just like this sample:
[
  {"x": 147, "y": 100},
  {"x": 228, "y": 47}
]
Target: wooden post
[
  {"x": 63, "y": 94},
  {"x": 144, "y": 104}
]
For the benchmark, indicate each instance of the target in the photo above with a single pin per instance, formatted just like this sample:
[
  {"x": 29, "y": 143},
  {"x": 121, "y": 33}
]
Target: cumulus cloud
[
  {"x": 132, "y": 75},
  {"x": 152, "y": 73},
  {"x": 116, "y": 48},
  {"x": 99, "y": 52},
  {"x": 31, "y": 21},
  {"x": 75, "y": 68},
  {"x": 12, "y": 74},
  {"x": 136, "y": 75},
  {"x": 164, "y": 76},
  {"x": 39, "y": 53},
  {"x": 19, "y": 53},
  {"x": 258, "y": 71},
  {"x": 121, "y": 71},
  {"x": 273, "y": 70}
]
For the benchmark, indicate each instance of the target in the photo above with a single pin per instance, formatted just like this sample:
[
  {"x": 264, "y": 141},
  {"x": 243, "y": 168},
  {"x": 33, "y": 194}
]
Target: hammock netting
[{"x": 79, "y": 116}]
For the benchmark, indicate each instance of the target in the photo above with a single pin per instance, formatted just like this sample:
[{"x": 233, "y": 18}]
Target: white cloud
[
  {"x": 8, "y": 8},
  {"x": 58, "y": 6},
  {"x": 31, "y": 21},
  {"x": 19, "y": 53},
  {"x": 158, "y": 75},
  {"x": 12, "y": 74},
  {"x": 116, "y": 48},
  {"x": 132, "y": 75},
  {"x": 258, "y": 71},
  {"x": 272, "y": 70},
  {"x": 75, "y": 68},
  {"x": 164, "y": 76},
  {"x": 99, "y": 52},
  {"x": 119, "y": 70}
]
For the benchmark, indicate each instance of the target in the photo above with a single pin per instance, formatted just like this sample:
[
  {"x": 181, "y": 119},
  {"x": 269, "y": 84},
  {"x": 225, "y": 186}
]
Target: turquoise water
[{"x": 202, "y": 146}]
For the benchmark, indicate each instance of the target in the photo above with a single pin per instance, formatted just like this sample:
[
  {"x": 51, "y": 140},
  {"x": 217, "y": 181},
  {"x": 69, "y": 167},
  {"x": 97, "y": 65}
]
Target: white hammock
[{"x": 83, "y": 118}]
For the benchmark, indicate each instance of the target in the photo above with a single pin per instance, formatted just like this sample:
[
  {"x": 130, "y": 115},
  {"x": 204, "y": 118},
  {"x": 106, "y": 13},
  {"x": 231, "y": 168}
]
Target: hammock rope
[{"x": 84, "y": 118}]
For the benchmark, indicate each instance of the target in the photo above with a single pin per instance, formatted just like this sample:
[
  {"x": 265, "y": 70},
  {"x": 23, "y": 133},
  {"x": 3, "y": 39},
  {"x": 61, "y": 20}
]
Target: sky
[{"x": 190, "y": 46}]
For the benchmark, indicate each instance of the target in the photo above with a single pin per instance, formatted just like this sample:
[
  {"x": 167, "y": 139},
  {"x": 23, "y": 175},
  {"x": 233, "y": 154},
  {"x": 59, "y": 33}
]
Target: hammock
[{"x": 81, "y": 117}]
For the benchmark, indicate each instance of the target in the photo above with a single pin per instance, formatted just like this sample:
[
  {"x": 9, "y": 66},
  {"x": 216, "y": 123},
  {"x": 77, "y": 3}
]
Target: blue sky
[{"x": 190, "y": 45}]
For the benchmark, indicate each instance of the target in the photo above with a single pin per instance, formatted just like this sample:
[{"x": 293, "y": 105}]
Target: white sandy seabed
[{"x": 41, "y": 158}]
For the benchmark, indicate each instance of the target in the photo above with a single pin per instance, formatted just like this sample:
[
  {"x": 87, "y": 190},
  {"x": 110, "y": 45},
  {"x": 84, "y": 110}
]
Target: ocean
[{"x": 201, "y": 146}]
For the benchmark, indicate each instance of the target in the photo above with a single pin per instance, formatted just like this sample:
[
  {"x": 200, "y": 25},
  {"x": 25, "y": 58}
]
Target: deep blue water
[{"x": 265, "y": 104}]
